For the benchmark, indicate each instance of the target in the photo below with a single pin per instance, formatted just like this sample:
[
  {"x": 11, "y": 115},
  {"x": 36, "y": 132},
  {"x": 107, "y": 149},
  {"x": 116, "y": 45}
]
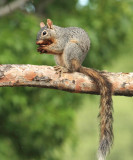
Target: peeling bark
[{"x": 46, "y": 77}]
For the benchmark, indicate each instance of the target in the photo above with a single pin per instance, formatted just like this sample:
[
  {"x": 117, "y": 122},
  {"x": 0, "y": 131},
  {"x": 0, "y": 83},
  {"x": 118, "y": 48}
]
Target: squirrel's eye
[{"x": 44, "y": 32}]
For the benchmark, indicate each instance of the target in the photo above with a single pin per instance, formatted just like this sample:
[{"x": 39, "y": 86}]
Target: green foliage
[
  {"x": 109, "y": 23},
  {"x": 36, "y": 122}
]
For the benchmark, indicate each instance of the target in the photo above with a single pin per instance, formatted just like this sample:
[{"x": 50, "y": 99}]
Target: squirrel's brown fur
[
  {"x": 70, "y": 46},
  {"x": 106, "y": 108}
]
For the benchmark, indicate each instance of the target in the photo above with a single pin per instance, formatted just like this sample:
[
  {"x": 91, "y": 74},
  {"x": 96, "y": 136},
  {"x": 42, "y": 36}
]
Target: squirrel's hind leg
[
  {"x": 73, "y": 57},
  {"x": 60, "y": 68}
]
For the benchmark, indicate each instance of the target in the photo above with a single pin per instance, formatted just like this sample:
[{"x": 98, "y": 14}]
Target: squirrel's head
[{"x": 46, "y": 34}]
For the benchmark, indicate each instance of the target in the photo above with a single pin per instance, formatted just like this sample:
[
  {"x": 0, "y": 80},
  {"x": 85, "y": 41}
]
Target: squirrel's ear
[
  {"x": 50, "y": 24},
  {"x": 42, "y": 24}
]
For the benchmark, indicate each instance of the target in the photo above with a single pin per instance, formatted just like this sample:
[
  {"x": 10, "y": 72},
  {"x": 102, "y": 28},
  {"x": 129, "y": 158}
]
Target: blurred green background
[{"x": 45, "y": 124}]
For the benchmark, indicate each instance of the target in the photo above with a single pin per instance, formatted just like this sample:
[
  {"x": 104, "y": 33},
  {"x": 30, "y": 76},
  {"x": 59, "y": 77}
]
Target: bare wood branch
[
  {"x": 46, "y": 77},
  {"x": 11, "y": 7}
]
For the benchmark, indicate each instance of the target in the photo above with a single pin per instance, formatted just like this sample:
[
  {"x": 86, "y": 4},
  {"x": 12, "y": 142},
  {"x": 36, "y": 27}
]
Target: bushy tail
[{"x": 106, "y": 109}]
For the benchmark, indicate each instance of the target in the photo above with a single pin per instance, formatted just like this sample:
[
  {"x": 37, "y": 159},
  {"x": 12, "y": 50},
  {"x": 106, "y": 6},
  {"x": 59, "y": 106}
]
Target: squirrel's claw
[
  {"x": 59, "y": 70},
  {"x": 41, "y": 49}
]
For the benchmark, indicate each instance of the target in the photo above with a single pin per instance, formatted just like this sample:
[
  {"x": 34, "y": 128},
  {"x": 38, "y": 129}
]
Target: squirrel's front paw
[
  {"x": 59, "y": 70},
  {"x": 41, "y": 49}
]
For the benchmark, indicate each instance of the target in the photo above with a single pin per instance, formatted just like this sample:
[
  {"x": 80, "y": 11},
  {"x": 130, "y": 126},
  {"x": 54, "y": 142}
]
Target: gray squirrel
[{"x": 70, "y": 46}]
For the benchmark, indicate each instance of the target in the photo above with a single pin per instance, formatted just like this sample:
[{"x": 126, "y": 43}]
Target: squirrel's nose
[{"x": 39, "y": 42}]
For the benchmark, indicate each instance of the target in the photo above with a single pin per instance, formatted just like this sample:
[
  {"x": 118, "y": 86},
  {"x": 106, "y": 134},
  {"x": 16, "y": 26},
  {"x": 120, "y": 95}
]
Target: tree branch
[
  {"x": 11, "y": 7},
  {"x": 45, "y": 77}
]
